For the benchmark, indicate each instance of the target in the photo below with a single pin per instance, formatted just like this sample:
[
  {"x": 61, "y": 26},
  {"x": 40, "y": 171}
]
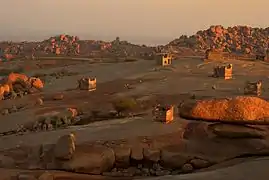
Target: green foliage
[{"x": 124, "y": 104}]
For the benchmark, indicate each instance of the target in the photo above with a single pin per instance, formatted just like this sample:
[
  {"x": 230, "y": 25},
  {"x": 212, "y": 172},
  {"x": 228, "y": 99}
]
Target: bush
[{"x": 124, "y": 105}]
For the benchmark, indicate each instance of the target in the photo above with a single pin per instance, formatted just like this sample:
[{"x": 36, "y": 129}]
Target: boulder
[
  {"x": 122, "y": 155},
  {"x": 199, "y": 163},
  {"x": 240, "y": 109},
  {"x": 39, "y": 101},
  {"x": 172, "y": 158},
  {"x": 65, "y": 147},
  {"x": 137, "y": 153},
  {"x": 152, "y": 154},
  {"x": 96, "y": 160},
  {"x": 187, "y": 168}
]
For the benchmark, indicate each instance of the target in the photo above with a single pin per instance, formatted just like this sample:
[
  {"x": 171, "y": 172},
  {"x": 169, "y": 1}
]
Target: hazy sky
[{"x": 145, "y": 21}]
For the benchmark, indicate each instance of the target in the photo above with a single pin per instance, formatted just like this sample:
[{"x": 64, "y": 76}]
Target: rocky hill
[
  {"x": 67, "y": 45},
  {"x": 237, "y": 39}
]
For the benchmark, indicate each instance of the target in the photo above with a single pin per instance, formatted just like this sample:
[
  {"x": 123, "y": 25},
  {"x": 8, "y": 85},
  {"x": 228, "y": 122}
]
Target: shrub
[{"x": 124, "y": 105}]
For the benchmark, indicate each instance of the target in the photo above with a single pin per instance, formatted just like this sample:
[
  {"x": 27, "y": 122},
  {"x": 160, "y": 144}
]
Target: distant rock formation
[{"x": 237, "y": 39}]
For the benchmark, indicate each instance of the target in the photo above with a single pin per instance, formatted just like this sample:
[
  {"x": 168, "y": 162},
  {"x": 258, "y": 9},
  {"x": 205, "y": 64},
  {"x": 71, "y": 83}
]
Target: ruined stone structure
[
  {"x": 253, "y": 88},
  {"x": 163, "y": 113},
  {"x": 223, "y": 71},
  {"x": 87, "y": 84},
  {"x": 164, "y": 59}
]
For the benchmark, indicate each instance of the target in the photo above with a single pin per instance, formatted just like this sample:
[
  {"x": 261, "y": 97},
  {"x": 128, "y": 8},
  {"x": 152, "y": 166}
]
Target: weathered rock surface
[
  {"x": 171, "y": 153},
  {"x": 240, "y": 171},
  {"x": 152, "y": 154},
  {"x": 237, "y": 39},
  {"x": 199, "y": 163},
  {"x": 137, "y": 152},
  {"x": 94, "y": 161},
  {"x": 46, "y": 176},
  {"x": 65, "y": 147},
  {"x": 241, "y": 109},
  {"x": 173, "y": 158},
  {"x": 187, "y": 168},
  {"x": 6, "y": 162},
  {"x": 236, "y": 131},
  {"x": 122, "y": 156},
  {"x": 26, "y": 177}
]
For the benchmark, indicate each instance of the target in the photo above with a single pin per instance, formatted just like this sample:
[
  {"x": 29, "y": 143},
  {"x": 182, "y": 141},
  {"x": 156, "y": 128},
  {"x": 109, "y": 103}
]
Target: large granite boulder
[
  {"x": 241, "y": 109},
  {"x": 96, "y": 160}
]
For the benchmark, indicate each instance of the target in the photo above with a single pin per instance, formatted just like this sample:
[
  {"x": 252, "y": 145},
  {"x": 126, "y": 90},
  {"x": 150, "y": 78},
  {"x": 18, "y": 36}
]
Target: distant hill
[{"x": 237, "y": 39}]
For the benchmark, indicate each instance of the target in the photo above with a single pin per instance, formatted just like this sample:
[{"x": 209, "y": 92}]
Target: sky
[{"x": 140, "y": 21}]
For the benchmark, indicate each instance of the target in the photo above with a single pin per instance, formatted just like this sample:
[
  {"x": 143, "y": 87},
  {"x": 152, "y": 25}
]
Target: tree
[{"x": 123, "y": 105}]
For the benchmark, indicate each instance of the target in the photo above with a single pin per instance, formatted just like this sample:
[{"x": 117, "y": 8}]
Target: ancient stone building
[
  {"x": 87, "y": 84},
  {"x": 253, "y": 88},
  {"x": 223, "y": 71},
  {"x": 163, "y": 113},
  {"x": 164, "y": 59}
]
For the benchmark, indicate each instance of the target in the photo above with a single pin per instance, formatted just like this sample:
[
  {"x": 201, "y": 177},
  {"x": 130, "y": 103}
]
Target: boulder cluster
[
  {"x": 67, "y": 45},
  {"x": 112, "y": 160},
  {"x": 237, "y": 39},
  {"x": 60, "y": 45}
]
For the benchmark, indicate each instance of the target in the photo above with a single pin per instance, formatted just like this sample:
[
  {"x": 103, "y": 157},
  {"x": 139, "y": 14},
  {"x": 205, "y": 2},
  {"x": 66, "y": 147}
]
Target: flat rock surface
[
  {"x": 253, "y": 169},
  {"x": 186, "y": 76},
  {"x": 106, "y": 130}
]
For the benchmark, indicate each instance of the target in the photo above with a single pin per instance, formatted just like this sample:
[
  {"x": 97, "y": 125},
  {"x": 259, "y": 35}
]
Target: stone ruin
[
  {"x": 163, "y": 113},
  {"x": 253, "y": 88},
  {"x": 87, "y": 84},
  {"x": 164, "y": 59},
  {"x": 223, "y": 72}
]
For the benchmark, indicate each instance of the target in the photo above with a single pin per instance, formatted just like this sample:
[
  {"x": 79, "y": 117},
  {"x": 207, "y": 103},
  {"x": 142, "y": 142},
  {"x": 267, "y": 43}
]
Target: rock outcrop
[
  {"x": 241, "y": 109},
  {"x": 237, "y": 39},
  {"x": 65, "y": 147}
]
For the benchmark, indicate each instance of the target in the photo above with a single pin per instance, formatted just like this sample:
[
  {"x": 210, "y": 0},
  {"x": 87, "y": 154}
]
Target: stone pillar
[{"x": 87, "y": 84}]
